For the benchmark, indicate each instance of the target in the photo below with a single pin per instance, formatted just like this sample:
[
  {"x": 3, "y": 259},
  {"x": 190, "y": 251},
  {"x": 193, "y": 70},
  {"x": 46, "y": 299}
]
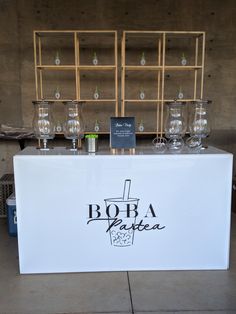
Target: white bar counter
[{"x": 80, "y": 212}]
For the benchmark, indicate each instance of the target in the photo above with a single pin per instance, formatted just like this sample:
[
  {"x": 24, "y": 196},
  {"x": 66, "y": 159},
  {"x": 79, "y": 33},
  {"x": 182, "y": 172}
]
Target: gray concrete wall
[
  {"x": 213, "y": 16},
  {"x": 10, "y": 64},
  {"x": 18, "y": 19}
]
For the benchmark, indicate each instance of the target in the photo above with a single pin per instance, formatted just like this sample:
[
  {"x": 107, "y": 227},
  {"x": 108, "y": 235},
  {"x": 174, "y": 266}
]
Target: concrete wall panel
[{"x": 18, "y": 19}]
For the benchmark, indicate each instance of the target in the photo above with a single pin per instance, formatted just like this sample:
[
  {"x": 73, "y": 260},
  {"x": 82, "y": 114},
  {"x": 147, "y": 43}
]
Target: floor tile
[
  {"x": 108, "y": 293},
  {"x": 186, "y": 290},
  {"x": 57, "y": 293},
  {"x": 66, "y": 293},
  {"x": 98, "y": 313},
  {"x": 172, "y": 291},
  {"x": 188, "y": 312}
]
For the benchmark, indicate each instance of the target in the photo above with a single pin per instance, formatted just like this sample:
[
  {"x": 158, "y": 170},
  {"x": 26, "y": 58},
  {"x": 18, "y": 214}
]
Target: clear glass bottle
[
  {"x": 96, "y": 126},
  {"x": 95, "y": 59},
  {"x": 43, "y": 123},
  {"x": 142, "y": 94},
  {"x": 180, "y": 93},
  {"x": 143, "y": 59},
  {"x": 96, "y": 93},
  {"x": 74, "y": 123},
  {"x": 183, "y": 60},
  {"x": 175, "y": 125},
  {"x": 58, "y": 127},
  {"x": 57, "y": 60},
  {"x": 199, "y": 123},
  {"x": 141, "y": 126},
  {"x": 57, "y": 93}
]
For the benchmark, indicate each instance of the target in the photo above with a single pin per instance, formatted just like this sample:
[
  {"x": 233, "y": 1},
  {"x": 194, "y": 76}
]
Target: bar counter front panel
[{"x": 80, "y": 212}]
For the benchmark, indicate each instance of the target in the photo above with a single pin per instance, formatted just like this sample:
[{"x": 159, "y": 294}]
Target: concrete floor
[{"x": 132, "y": 292}]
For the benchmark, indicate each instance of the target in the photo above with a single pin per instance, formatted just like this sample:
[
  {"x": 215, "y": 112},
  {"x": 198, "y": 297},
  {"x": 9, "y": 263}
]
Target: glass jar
[
  {"x": 199, "y": 123},
  {"x": 43, "y": 123},
  {"x": 74, "y": 124},
  {"x": 175, "y": 124}
]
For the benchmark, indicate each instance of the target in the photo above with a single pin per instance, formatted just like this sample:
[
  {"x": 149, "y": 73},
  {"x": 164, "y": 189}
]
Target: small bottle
[
  {"x": 183, "y": 60},
  {"x": 58, "y": 127},
  {"x": 180, "y": 93},
  {"x": 96, "y": 126},
  {"x": 143, "y": 59},
  {"x": 141, "y": 94},
  {"x": 141, "y": 126},
  {"x": 96, "y": 93},
  {"x": 95, "y": 59},
  {"x": 57, "y": 60},
  {"x": 57, "y": 93}
]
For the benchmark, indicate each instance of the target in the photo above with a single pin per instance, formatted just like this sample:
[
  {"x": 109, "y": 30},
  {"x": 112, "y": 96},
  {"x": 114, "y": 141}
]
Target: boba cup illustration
[{"x": 122, "y": 212}]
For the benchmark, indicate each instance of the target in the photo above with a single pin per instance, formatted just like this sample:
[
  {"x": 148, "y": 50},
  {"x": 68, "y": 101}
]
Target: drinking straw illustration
[
  {"x": 119, "y": 236},
  {"x": 126, "y": 189}
]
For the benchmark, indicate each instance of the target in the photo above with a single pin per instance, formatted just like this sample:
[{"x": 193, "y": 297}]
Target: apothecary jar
[
  {"x": 43, "y": 123},
  {"x": 199, "y": 122},
  {"x": 175, "y": 124},
  {"x": 74, "y": 123}
]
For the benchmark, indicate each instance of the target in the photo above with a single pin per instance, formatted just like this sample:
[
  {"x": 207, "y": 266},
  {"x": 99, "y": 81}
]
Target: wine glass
[
  {"x": 175, "y": 125},
  {"x": 74, "y": 124},
  {"x": 199, "y": 123},
  {"x": 43, "y": 123}
]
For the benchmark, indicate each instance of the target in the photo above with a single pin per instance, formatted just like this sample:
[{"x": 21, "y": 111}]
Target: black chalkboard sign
[{"x": 122, "y": 132}]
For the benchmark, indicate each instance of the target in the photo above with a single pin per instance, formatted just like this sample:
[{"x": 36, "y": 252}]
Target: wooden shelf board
[
  {"x": 142, "y": 100},
  {"x": 94, "y": 132},
  {"x": 56, "y": 67},
  {"x": 84, "y": 100},
  {"x": 96, "y": 67},
  {"x": 159, "y": 68},
  {"x": 146, "y": 132},
  {"x": 161, "y": 32},
  {"x": 182, "y": 67},
  {"x": 158, "y": 100},
  {"x": 98, "y": 100},
  {"x": 56, "y": 100},
  {"x": 185, "y": 100},
  {"x": 74, "y": 31},
  {"x": 86, "y": 132},
  {"x": 96, "y": 31},
  {"x": 142, "y": 67},
  {"x": 107, "y": 132}
]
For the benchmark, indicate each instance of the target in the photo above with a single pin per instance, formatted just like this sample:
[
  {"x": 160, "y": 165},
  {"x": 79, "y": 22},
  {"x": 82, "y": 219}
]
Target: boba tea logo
[{"x": 123, "y": 217}]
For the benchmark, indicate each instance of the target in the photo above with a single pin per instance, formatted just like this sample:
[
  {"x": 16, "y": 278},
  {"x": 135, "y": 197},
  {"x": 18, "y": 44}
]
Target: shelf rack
[
  {"x": 160, "y": 68},
  {"x": 77, "y": 66}
]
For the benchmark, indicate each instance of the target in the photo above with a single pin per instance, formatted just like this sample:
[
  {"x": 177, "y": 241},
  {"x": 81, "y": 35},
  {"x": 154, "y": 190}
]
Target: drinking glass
[
  {"x": 199, "y": 123},
  {"x": 175, "y": 125},
  {"x": 74, "y": 124},
  {"x": 43, "y": 123}
]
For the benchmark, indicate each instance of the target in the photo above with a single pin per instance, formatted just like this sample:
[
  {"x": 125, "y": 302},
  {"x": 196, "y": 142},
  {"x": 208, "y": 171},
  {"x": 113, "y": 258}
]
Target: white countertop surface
[{"x": 141, "y": 150}]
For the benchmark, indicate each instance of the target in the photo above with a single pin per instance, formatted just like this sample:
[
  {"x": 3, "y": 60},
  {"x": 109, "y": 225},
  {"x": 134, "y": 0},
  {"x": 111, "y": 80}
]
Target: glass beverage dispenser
[
  {"x": 74, "y": 124},
  {"x": 175, "y": 125},
  {"x": 43, "y": 123},
  {"x": 199, "y": 123}
]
